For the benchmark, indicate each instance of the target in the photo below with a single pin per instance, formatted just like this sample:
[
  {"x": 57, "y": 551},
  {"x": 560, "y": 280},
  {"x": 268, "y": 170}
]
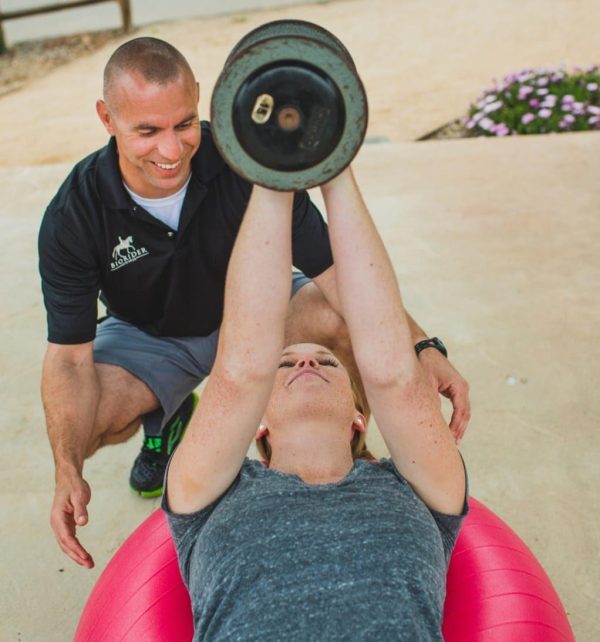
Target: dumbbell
[{"x": 289, "y": 111}]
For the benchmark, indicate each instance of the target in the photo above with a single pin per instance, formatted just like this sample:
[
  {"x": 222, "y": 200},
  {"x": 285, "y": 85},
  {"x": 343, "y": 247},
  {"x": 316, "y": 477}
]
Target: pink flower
[
  {"x": 594, "y": 120},
  {"x": 527, "y": 118},
  {"x": 542, "y": 82},
  {"x": 592, "y": 86},
  {"x": 569, "y": 118},
  {"x": 486, "y": 124},
  {"x": 491, "y": 107},
  {"x": 524, "y": 91},
  {"x": 549, "y": 101},
  {"x": 541, "y": 92},
  {"x": 568, "y": 98},
  {"x": 502, "y": 130},
  {"x": 545, "y": 113},
  {"x": 592, "y": 109},
  {"x": 534, "y": 102}
]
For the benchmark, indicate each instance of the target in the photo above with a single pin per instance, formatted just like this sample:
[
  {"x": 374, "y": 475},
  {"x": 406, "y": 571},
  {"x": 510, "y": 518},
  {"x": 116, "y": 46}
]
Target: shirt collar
[{"x": 206, "y": 164}]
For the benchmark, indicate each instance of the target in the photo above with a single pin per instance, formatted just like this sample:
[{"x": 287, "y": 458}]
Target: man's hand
[
  {"x": 448, "y": 382},
  {"x": 69, "y": 510}
]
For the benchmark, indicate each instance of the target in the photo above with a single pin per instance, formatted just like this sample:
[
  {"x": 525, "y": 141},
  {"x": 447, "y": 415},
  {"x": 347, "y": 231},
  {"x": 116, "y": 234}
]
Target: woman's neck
[{"x": 314, "y": 453}]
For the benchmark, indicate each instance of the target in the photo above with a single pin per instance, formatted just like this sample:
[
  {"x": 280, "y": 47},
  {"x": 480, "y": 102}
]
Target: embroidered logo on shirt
[{"x": 125, "y": 253}]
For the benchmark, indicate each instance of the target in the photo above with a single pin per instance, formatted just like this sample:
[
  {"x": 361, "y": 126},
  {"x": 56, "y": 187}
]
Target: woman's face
[{"x": 310, "y": 383}]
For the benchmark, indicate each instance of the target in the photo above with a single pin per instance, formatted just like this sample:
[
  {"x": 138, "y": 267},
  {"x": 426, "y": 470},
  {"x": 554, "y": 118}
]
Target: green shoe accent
[
  {"x": 179, "y": 429},
  {"x": 153, "y": 443},
  {"x": 174, "y": 435},
  {"x": 147, "y": 494}
]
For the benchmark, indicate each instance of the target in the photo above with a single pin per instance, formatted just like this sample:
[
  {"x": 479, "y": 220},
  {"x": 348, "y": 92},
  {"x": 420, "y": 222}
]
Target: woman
[{"x": 318, "y": 545}]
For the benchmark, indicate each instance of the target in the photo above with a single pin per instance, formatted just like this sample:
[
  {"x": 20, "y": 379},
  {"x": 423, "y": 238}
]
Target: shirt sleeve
[
  {"x": 311, "y": 251},
  {"x": 186, "y": 527},
  {"x": 448, "y": 525},
  {"x": 70, "y": 281}
]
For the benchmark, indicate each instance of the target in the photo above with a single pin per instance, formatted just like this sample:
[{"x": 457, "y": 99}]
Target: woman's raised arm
[
  {"x": 257, "y": 294},
  {"x": 404, "y": 405}
]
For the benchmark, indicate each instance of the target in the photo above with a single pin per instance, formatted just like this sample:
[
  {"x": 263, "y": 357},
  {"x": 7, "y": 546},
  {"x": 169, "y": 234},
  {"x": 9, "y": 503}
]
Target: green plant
[{"x": 538, "y": 101}]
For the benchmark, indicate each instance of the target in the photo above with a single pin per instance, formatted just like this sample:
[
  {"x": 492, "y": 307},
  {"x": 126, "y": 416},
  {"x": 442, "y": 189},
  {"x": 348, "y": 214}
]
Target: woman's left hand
[{"x": 448, "y": 382}]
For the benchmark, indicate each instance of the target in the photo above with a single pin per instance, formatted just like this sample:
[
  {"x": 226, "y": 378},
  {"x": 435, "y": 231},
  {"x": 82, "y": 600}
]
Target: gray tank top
[{"x": 275, "y": 558}]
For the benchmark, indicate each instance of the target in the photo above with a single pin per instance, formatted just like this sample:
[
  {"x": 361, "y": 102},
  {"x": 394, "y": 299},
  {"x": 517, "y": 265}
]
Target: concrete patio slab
[{"x": 494, "y": 242}]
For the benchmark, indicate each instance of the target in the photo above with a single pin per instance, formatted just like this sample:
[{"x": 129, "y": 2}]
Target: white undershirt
[{"x": 166, "y": 209}]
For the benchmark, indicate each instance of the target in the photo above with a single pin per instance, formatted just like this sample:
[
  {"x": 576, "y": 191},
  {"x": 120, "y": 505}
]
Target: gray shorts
[{"x": 170, "y": 366}]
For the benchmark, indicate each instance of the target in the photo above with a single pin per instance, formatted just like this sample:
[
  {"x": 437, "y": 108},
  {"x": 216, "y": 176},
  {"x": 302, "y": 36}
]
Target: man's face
[{"x": 157, "y": 131}]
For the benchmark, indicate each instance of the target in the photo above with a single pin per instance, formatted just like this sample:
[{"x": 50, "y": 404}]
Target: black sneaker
[{"x": 148, "y": 471}]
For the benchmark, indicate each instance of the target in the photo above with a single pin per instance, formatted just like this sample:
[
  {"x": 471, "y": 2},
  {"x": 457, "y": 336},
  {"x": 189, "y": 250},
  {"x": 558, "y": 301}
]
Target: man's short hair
[{"x": 156, "y": 60}]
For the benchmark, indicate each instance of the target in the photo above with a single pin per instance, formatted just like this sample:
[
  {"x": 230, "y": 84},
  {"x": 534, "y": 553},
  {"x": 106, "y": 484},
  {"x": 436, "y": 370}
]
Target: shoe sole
[
  {"x": 157, "y": 492},
  {"x": 146, "y": 494}
]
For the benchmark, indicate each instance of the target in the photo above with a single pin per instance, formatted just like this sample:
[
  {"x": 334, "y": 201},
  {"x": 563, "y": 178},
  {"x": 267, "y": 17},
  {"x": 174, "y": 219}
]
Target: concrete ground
[{"x": 494, "y": 242}]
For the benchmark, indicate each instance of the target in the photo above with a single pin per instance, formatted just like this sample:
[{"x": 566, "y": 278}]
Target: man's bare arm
[{"x": 70, "y": 394}]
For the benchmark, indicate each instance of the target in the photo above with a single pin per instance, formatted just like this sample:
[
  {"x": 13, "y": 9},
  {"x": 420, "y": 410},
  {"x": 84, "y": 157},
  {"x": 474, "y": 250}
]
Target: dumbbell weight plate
[
  {"x": 318, "y": 113},
  {"x": 307, "y": 119},
  {"x": 283, "y": 28}
]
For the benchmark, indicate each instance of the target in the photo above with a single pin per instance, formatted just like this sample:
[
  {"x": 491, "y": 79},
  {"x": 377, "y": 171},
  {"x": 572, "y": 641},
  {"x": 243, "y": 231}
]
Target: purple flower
[
  {"x": 527, "y": 118},
  {"x": 592, "y": 109},
  {"x": 592, "y": 86},
  {"x": 568, "y": 98},
  {"x": 578, "y": 109},
  {"x": 569, "y": 118},
  {"x": 567, "y": 106},
  {"x": 542, "y": 82},
  {"x": 502, "y": 130},
  {"x": 541, "y": 92},
  {"x": 549, "y": 101},
  {"x": 545, "y": 113},
  {"x": 491, "y": 107},
  {"x": 523, "y": 76},
  {"x": 534, "y": 102},
  {"x": 486, "y": 124},
  {"x": 524, "y": 91},
  {"x": 594, "y": 120}
]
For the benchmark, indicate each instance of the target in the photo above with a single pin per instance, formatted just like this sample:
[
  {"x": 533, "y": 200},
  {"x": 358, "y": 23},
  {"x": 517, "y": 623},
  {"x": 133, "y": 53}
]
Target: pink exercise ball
[{"x": 496, "y": 590}]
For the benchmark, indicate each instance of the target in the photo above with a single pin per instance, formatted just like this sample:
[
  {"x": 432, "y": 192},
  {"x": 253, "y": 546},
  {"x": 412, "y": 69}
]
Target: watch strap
[{"x": 433, "y": 342}]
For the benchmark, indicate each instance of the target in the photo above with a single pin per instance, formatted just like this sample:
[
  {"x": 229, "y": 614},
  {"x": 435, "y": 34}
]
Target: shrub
[{"x": 538, "y": 101}]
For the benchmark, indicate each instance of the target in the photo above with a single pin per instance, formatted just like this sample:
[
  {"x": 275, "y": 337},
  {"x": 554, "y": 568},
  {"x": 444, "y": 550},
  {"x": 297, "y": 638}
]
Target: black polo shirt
[{"x": 95, "y": 240}]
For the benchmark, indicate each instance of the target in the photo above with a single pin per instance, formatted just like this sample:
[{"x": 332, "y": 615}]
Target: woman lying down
[{"x": 319, "y": 544}]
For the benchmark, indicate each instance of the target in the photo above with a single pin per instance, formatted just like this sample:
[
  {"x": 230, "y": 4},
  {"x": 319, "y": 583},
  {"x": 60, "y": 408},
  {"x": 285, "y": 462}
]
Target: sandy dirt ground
[{"x": 494, "y": 241}]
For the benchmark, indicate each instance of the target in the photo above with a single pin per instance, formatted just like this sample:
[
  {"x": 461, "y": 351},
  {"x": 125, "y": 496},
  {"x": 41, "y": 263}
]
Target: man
[{"x": 149, "y": 223}]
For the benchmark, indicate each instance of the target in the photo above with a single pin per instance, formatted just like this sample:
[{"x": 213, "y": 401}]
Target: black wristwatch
[{"x": 434, "y": 342}]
